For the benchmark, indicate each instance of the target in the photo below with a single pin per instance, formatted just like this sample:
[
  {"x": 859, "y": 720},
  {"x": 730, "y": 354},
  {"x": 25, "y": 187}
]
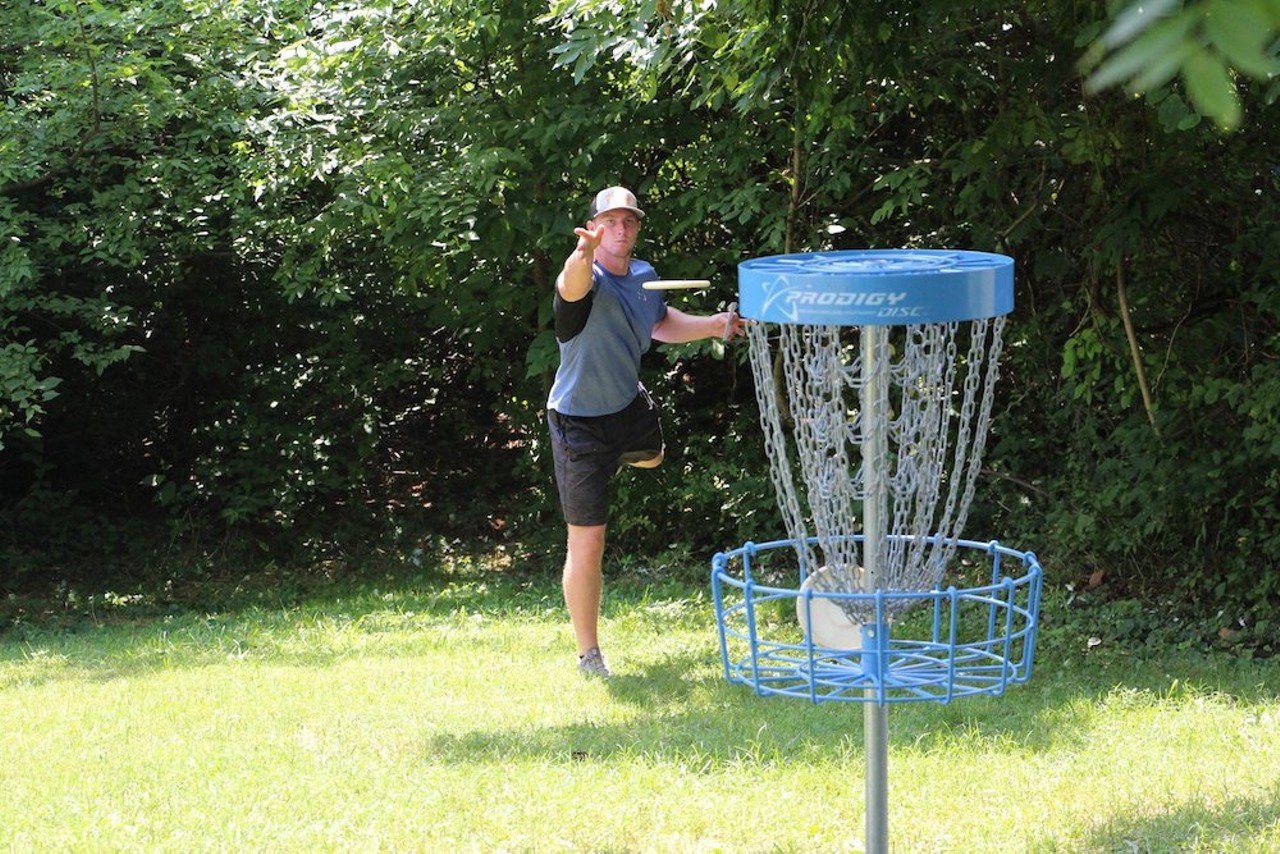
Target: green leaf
[
  {"x": 1242, "y": 31},
  {"x": 1212, "y": 90},
  {"x": 1161, "y": 70},
  {"x": 1135, "y": 19},
  {"x": 1151, "y": 48}
]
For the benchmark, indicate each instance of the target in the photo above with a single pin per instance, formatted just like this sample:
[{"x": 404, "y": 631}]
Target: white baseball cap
[{"x": 613, "y": 198}]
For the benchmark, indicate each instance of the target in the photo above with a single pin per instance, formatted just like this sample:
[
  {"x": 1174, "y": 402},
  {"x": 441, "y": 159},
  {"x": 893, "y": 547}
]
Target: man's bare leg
[
  {"x": 583, "y": 582},
  {"x": 648, "y": 464},
  {"x": 629, "y": 458}
]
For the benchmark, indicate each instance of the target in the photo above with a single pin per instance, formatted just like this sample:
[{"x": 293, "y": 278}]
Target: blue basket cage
[{"x": 978, "y": 641}]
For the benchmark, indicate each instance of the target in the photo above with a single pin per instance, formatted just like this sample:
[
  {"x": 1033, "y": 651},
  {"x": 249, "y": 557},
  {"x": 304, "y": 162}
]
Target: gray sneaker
[{"x": 591, "y": 663}]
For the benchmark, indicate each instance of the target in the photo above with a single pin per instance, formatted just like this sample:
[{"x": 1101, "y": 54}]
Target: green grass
[{"x": 446, "y": 714}]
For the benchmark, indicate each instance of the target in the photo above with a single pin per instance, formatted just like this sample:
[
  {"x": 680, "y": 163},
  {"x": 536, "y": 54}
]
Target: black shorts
[{"x": 588, "y": 451}]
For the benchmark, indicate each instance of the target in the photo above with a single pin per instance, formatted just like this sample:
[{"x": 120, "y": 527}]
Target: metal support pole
[
  {"x": 875, "y": 719},
  {"x": 875, "y": 507}
]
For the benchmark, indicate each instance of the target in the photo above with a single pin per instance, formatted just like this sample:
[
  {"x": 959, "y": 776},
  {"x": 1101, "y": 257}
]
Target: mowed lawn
[{"x": 445, "y": 713}]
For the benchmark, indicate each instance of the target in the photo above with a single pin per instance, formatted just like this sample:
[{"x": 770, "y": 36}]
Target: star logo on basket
[{"x": 789, "y": 297}]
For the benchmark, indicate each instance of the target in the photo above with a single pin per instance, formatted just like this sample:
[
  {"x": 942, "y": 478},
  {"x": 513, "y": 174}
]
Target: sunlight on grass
[{"x": 453, "y": 717}]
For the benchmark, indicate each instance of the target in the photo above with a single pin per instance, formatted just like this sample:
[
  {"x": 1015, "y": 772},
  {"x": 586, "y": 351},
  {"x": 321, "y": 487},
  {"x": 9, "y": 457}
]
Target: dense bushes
[{"x": 281, "y": 272}]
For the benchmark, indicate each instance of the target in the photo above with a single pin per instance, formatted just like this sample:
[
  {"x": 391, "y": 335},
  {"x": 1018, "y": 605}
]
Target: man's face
[{"x": 621, "y": 228}]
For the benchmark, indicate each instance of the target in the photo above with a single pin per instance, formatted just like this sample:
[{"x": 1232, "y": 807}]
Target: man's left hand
[{"x": 732, "y": 324}]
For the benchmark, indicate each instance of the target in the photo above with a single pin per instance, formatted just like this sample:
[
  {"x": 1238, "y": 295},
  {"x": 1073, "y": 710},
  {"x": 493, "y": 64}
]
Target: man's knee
[{"x": 586, "y": 541}]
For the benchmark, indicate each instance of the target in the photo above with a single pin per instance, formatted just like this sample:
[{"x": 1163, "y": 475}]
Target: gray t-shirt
[{"x": 600, "y": 366}]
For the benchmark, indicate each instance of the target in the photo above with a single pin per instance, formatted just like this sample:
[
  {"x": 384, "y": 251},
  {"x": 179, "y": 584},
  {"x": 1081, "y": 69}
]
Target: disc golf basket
[{"x": 875, "y": 373}]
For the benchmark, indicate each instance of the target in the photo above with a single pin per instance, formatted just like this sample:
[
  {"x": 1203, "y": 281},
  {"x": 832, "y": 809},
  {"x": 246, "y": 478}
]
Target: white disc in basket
[
  {"x": 831, "y": 627},
  {"x": 676, "y": 284}
]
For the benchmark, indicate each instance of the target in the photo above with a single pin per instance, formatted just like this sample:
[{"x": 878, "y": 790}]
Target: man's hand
[
  {"x": 731, "y": 323},
  {"x": 589, "y": 239}
]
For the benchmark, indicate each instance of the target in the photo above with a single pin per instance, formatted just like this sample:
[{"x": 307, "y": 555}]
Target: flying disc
[
  {"x": 676, "y": 284},
  {"x": 823, "y": 620}
]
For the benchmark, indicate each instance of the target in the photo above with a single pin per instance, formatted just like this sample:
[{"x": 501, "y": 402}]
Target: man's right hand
[{"x": 589, "y": 239}]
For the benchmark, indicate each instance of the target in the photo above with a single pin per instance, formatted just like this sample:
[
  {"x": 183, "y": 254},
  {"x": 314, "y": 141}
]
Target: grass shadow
[
  {"x": 1233, "y": 824},
  {"x": 681, "y": 709}
]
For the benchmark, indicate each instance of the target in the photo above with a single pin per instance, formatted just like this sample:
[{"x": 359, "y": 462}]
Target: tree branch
[
  {"x": 1134, "y": 351},
  {"x": 22, "y": 186},
  {"x": 1025, "y": 484}
]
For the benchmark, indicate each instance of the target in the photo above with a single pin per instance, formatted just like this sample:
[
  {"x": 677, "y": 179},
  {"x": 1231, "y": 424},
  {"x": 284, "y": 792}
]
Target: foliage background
[{"x": 275, "y": 276}]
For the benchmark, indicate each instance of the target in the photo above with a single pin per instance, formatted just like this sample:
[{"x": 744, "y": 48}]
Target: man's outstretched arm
[
  {"x": 679, "y": 328},
  {"x": 574, "y": 281}
]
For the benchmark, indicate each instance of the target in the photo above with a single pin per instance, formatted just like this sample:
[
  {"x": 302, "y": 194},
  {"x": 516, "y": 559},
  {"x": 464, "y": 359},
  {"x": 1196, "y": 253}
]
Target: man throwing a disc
[{"x": 599, "y": 414}]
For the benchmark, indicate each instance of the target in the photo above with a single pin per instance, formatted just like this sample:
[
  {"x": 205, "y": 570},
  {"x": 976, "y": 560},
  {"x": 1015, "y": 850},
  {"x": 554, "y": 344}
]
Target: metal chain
[{"x": 938, "y": 408}]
